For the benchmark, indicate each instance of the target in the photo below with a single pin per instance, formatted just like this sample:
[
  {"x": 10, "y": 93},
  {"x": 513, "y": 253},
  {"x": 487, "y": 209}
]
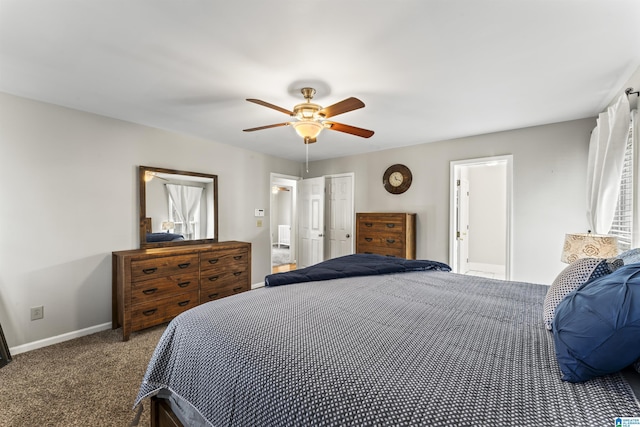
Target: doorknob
[
  {"x": 320, "y": 235},
  {"x": 348, "y": 235}
]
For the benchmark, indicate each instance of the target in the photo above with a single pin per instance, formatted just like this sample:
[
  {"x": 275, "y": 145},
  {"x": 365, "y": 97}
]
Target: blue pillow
[{"x": 596, "y": 328}]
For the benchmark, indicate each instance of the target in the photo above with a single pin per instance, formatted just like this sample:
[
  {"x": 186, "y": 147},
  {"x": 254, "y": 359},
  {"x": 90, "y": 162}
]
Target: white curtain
[
  {"x": 186, "y": 200},
  {"x": 635, "y": 236},
  {"x": 606, "y": 158}
]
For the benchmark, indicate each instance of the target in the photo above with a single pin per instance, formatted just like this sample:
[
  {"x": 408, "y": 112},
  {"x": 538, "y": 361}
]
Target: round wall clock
[{"x": 397, "y": 179}]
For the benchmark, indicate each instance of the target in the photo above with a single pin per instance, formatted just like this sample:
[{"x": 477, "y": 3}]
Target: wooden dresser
[
  {"x": 391, "y": 234},
  {"x": 152, "y": 286}
]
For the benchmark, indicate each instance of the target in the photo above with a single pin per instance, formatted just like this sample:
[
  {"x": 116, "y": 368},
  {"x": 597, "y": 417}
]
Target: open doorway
[
  {"x": 283, "y": 223},
  {"x": 480, "y": 217}
]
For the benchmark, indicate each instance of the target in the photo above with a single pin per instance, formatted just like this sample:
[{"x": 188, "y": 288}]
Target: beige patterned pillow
[{"x": 570, "y": 279}]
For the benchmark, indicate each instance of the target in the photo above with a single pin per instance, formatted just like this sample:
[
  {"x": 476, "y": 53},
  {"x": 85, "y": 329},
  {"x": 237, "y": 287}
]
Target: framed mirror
[{"x": 177, "y": 207}]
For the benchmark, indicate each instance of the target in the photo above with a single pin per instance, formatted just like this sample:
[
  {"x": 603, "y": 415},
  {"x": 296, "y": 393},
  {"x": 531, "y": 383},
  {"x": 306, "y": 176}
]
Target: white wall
[
  {"x": 549, "y": 172},
  {"x": 68, "y": 191},
  {"x": 487, "y": 218}
]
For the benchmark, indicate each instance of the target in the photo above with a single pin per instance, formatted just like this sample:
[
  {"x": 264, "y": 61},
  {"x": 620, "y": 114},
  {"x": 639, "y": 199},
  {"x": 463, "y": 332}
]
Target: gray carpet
[
  {"x": 89, "y": 381},
  {"x": 280, "y": 255}
]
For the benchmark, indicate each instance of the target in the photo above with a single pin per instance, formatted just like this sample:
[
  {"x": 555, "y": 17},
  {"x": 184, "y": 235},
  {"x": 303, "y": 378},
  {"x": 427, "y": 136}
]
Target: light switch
[
  {"x": 259, "y": 223},
  {"x": 259, "y": 212}
]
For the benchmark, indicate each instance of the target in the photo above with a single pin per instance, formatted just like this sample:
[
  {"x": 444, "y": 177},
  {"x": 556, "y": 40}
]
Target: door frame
[
  {"x": 274, "y": 180},
  {"x": 454, "y": 173}
]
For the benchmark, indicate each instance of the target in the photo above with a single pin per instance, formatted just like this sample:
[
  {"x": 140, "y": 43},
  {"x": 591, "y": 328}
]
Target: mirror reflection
[{"x": 177, "y": 207}]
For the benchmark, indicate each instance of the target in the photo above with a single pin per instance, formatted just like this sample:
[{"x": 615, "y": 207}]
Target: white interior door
[
  {"x": 340, "y": 216},
  {"x": 462, "y": 226},
  {"x": 311, "y": 221}
]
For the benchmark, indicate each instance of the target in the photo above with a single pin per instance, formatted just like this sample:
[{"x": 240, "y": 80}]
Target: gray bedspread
[{"x": 420, "y": 348}]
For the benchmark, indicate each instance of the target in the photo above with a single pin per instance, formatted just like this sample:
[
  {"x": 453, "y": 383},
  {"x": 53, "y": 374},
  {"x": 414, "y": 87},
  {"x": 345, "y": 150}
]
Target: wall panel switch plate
[
  {"x": 37, "y": 312},
  {"x": 259, "y": 212}
]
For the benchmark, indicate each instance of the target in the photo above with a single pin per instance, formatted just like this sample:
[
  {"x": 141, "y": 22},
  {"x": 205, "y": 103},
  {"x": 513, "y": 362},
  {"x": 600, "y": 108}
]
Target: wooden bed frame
[{"x": 162, "y": 415}]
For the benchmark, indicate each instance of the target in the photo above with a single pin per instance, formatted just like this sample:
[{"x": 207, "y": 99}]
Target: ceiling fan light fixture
[
  {"x": 307, "y": 111},
  {"x": 308, "y": 128}
]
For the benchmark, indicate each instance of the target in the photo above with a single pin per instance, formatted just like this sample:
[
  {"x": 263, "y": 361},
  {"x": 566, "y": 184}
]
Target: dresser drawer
[
  {"x": 161, "y": 310},
  {"x": 210, "y": 293},
  {"x": 385, "y": 227},
  {"x": 147, "y": 269},
  {"x": 161, "y": 287},
  {"x": 224, "y": 260},
  {"x": 388, "y": 241},
  {"x": 381, "y": 250}
]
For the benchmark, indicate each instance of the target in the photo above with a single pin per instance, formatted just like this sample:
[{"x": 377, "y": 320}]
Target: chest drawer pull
[
  {"x": 368, "y": 224},
  {"x": 184, "y": 265},
  {"x": 183, "y": 284},
  {"x": 237, "y": 273},
  {"x": 391, "y": 240},
  {"x": 183, "y": 303},
  {"x": 213, "y": 261},
  {"x": 213, "y": 278},
  {"x": 149, "y": 312},
  {"x": 149, "y": 291},
  {"x": 390, "y": 225},
  {"x": 149, "y": 270},
  {"x": 238, "y": 289},
  {"x": 237, "y": 257},
  {"x": 368, "y": 252},
  {"x": 368, "y": 239},
  {"x": 212, "y": 296}
]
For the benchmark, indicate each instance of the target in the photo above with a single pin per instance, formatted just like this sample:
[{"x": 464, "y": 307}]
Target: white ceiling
[{"x": 427, "y": 70}]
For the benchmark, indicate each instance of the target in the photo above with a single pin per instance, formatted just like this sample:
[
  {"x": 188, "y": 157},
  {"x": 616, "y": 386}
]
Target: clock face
[{"x": 397, "y": 179}]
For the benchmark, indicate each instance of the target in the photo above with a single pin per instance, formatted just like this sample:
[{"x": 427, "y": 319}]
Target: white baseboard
[
  {"x": 257, "y": 285},
  {"x": 59, "y": 338}
]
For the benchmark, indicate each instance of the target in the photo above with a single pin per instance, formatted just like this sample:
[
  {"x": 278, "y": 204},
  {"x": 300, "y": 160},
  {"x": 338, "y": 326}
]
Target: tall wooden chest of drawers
[
  {"x": 152, "y": 286},
  {"x": 390, "y": 234}
]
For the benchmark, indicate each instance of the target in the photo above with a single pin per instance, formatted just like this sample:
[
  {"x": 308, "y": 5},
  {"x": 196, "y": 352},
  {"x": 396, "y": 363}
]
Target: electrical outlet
[
  {"x": 37, "y": 313},
  {"x": 259, "y": 223}
]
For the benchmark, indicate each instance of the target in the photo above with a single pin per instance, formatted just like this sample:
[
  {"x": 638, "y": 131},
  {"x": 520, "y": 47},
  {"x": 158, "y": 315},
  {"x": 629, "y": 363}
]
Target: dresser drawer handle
[
  {"x": 368, "y": 224},
  {"x": 150, "y": 270},
  {"x": 149, "y": 291},
  {"x": 368, "y": 239},
  {"x": 237, "y": 273},
  {"x": 213, "y": 278},
  {"x": 391, "y": 256},
  {"x": 213, "y": 261},
  {"x": 391, "y": 240},
  {"x": 149, "y": 312},
  {"x": 238, "y": 289},
  {"x": 390, "y": 225},
  {"x": 368, "y": 252},
  {"x": 237, "y": 257},
  {"x": 183, "y": 284},
  {"x": 183, "y": 303},
  {"x": 184, "y": 265},
  {"x": 212, "y": 296}
]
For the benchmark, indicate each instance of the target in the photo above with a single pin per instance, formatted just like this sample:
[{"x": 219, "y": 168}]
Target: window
[{"x": 622, "y": 225}]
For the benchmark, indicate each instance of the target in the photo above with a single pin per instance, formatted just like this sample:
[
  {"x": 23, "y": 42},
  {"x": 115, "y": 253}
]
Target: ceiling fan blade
[
  {"x": 267, "y": 127},
  {"x": 275, "y": 107},
  {"x": 349, "y": 129},
  {"x": 343, "y": 106}
]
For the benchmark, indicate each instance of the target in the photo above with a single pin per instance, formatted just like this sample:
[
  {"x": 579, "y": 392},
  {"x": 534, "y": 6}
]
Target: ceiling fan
[{"x": 312, "y": 118}]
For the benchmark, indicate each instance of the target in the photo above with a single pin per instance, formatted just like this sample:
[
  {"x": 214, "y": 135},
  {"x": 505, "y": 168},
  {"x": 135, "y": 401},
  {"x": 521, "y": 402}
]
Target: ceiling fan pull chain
[{"x": 307, "y": 150}]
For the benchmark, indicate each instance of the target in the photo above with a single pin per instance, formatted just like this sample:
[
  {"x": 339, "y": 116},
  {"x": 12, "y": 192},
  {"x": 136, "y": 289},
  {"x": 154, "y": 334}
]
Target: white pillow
[{"x": 571, "y": 278}]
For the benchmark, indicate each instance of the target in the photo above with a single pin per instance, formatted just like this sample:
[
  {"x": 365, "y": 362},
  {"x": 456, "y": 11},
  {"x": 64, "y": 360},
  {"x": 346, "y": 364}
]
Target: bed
[
  {"x": 156, "y": 237},
  {"x": 420, "y": 346}
]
